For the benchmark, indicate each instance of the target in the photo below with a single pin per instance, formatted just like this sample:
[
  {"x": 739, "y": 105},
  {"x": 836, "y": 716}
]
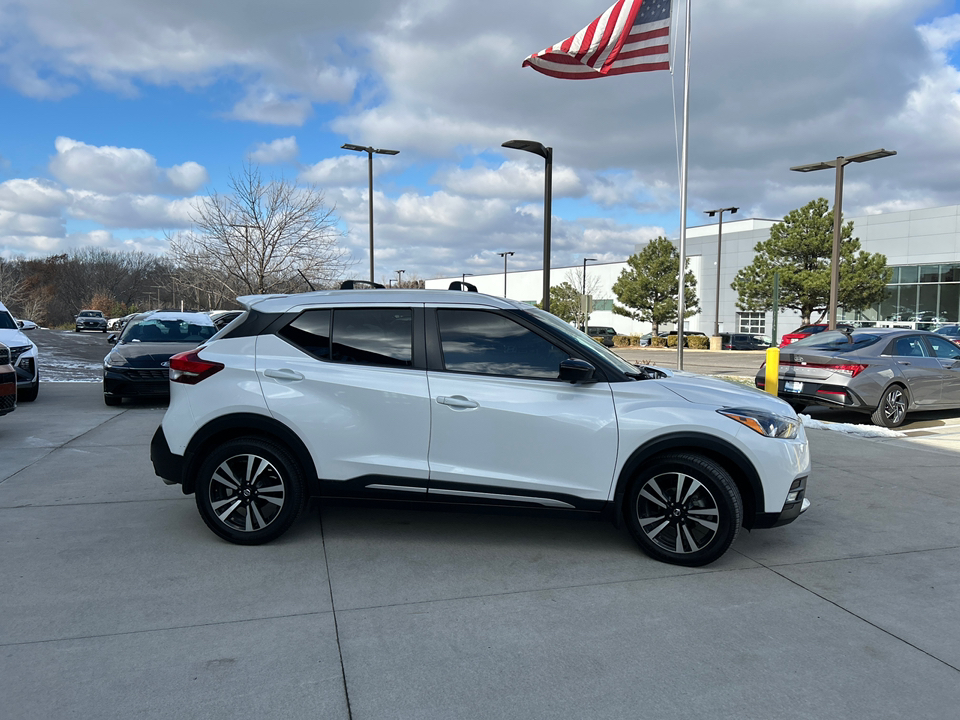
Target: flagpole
[{"x": 683, "y": 191}]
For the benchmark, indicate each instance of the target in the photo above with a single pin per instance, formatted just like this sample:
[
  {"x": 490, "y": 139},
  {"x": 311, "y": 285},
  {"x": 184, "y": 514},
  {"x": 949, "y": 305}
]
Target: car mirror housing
[
  {"x": 112, "y": 339},
  {"x": 575, "y": 371}
]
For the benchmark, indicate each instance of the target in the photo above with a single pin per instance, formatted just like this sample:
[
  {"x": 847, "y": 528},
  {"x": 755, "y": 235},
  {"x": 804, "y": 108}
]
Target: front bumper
[
  {"x": 87, "y": 325},
  {"x": 8, "y": 390},
  {"x": 136, "y": 382},
  {"x": 795, "y": 506}
]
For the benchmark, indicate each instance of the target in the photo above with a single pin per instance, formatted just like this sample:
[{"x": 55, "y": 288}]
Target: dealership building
[{"x": 922, "y": 247}]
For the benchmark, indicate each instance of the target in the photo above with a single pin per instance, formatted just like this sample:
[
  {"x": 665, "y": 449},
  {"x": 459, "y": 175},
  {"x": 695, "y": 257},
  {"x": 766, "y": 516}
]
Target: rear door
[
  {"x": 349, "y": 381},
  {"x": 948, "y": 355},
  {"x": 504, "y": 424},
  {"x": 922, "y": 372}
]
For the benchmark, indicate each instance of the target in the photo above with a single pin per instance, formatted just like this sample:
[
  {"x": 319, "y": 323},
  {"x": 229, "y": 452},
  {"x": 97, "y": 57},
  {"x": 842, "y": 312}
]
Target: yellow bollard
[{"x": 771, "y": 382}]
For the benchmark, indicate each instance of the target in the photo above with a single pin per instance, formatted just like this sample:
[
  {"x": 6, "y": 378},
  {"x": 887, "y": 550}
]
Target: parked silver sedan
[{"x": 881, "y": 371}]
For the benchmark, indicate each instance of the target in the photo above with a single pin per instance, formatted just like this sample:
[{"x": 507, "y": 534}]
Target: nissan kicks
[{"x": 458, "y": 397}]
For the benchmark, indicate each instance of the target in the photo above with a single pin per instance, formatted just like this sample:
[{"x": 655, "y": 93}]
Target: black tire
[
  {"x": 694, "y": 531},
  {"x": 30, "y": 394},
  {"x": 892, "y": 408},
  {"x": 112, "y": 400},
  {"x": 243, "y": 483}
]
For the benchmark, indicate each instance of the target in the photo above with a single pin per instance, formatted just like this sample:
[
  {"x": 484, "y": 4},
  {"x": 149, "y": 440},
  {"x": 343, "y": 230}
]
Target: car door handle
[
  {"x": 457, "y": 401},
  {"x": 283, "y": 374},
  {"x": 902, "y": 362}
]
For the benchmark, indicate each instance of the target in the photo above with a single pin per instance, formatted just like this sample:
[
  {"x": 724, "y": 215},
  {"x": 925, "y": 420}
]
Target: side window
[
  {"x": 373, "y": 336},
  {"x": 310, "y": 332},
  {"x": 910, "y": 346},
  {"x": 943, "y": 348},
  {"x": 476, "y": 341}
]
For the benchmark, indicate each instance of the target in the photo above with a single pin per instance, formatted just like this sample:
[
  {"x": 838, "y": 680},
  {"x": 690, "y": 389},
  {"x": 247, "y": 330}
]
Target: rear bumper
[
  {"x": 166, "y": 465},
  {"x": 818, "y": 393}
]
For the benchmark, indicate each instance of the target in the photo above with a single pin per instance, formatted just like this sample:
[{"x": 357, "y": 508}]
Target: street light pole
[
  {"x": 400, "y": 277},
  {"x": 712, "y": 213},
  {"x": 504, "y": 256},
  {"x": 546, "y": 153},
  {"x": 583, "y": 293},
  {"x": 370, "y": 151},
  {"x": 839, "y": 164},
  {"x": 463, "y": 276}
]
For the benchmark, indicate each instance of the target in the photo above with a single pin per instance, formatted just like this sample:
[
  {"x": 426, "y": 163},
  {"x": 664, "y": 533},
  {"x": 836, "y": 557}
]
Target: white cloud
[
  {"x": 281, "y": 150},
  {"x": 341, "y": 170},
  {"x": 269, "y": 107},
  {"x": 513, "y": 179},
  {"x": 131, "y": 211},
  {"x": 32, "y": 196},
  {"x": 114, "y": 170}
]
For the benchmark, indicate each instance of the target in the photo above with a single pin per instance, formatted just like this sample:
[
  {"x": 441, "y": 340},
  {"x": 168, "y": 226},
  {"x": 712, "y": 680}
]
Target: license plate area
[{"x": 792, "y": 386}]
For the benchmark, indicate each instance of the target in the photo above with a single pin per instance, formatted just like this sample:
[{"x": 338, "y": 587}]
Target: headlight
[
  {"x": 765, "y": 423},
  {"x": 114, "y": 359}
]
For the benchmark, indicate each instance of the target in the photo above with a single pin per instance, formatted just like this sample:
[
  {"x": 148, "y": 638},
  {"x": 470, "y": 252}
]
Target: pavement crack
[{"x": 336, "y": 624}]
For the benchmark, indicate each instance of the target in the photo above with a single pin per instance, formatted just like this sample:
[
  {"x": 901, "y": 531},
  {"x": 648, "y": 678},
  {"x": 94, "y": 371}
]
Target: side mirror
[
  {"x": 112, "y": 339},
  {"x": 576, "y": 371},
  {"x": 20, "y": 324}
]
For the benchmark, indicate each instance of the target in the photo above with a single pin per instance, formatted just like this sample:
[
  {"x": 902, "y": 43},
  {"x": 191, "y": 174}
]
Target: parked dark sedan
[
  {"x": 884, "y": 372},
  {"x": 139, "y": 364},
  {"x": 744, "y": 341}
]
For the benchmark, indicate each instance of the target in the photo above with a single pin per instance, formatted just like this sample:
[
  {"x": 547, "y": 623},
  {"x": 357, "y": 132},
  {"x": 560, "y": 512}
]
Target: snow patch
[{"x": 867, "y": 431}]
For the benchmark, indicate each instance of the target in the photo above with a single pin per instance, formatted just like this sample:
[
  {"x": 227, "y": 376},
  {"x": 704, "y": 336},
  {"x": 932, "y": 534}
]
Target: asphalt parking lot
[{"x": 120, "y": 603}]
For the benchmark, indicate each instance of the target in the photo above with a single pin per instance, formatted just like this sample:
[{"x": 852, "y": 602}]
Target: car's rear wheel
[
  {"x": 892, "y": 409},
  {"x": 249, "y": 491},
  {"x": 684, "y": 509}
]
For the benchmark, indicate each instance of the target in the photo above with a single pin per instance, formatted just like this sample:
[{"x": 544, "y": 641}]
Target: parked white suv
[
  {"x": 23, "y": 356},
  {"x": 460, "y": 397}
]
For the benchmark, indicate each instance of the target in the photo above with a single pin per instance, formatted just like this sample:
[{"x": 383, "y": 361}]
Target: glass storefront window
[
  {"x": 896, "y": 276},
  {"x": 927, "y": 306},
  {"x": 907, "y": 306},
  {"x": 888, "y": 306},
  {"x": 909, "y": 273},
  {"x": 950, "y": 273},
  {"x": 950, "y": 303},
  {"x": 929, "y": 273}
]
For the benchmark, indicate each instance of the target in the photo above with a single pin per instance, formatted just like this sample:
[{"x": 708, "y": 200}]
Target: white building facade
[{"x": 922, "y": 247}]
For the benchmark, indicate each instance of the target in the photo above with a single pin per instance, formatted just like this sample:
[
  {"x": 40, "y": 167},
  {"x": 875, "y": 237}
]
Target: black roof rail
[
  {"x": 458, "y": 285},
  {"x": 353, "y": 284}
]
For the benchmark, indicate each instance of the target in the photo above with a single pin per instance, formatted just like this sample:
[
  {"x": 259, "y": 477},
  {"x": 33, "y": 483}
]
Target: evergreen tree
[
  {"x": 648, "y": 288},
  {"x": 800, "y": 248}
]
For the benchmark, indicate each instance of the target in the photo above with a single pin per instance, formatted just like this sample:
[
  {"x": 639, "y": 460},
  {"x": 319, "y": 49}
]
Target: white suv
[
  {"x": 459, "y": 397},
  {"x": 23, "y": 356}
]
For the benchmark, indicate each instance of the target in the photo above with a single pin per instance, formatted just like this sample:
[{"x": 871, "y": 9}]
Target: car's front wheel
[
  {"x": 249, "y": 491},
  {"x": 892, "y": 409},
  {"x": 684, "y": 509}
]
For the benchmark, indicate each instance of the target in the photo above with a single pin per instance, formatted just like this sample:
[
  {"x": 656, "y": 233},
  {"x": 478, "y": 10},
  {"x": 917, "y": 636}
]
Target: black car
[
  {"x": 91, "y": 320},
  {"x": 139, "y": 364},
  {"x": 744, "y": 341},
  {"x": 604, "y": 333},
  {"x": 951, "y": 332}
]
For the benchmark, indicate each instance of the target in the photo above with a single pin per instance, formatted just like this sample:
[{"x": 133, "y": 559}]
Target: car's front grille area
[
  {"x": 8, "y": 402},
  {"x": 149, "y": 374},
  {"x": 4, "y": 356}
]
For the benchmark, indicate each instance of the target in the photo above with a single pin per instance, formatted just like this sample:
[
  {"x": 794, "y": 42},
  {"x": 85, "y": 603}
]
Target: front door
[
  {"x": 948, "y": 355},
  {"x": 503, "y": 423},
  {"x": 921, "y": 371}
]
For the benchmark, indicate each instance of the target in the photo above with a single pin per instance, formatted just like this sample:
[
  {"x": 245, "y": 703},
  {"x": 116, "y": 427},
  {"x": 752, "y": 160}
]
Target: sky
[{"x": 118, "y": 116}]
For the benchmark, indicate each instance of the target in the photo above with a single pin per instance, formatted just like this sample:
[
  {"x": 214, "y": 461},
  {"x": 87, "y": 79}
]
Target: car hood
[
  {"x": 149, "y": 355},
  {"x": 706, "y": 390},
  {"x": 14, "y": 338}
]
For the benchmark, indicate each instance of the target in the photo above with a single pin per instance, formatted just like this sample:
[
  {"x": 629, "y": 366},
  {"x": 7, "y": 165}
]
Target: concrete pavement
[{"x": 118, "y": 602}]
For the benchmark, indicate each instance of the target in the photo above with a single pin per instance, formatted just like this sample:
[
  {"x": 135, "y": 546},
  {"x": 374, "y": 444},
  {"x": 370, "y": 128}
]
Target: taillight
[
  {"x": 850, "y": 369},
  {"x": 189, "y": 368}
]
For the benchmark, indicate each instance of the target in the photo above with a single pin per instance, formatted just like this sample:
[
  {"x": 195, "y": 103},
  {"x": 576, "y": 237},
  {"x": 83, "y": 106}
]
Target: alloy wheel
[
  {"x": 894, "y": 407},
  {"x": 677, "y": 512},
  {"x": 247, "y": 492}
]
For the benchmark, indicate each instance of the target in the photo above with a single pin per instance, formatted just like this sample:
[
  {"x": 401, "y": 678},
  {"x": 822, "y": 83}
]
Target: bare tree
[
  {"x": 574, "y": 276},
  {"x": 12, "y": 283},
  {"x": 263, "y": 237}
]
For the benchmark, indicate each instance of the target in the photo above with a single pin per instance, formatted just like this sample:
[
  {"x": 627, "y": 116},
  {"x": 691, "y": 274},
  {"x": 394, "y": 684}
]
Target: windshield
[
  {"x": 6, "y": 321},
  {"x": 578, "y": 338},
  {"x": 835, "y": 341},
  {"x": 91, "y": 313},
  {"x": 155, "y": 330}
]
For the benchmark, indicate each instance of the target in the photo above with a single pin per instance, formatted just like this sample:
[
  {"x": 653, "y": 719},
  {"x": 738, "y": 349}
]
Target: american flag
[{"x": 632, "y": 36}]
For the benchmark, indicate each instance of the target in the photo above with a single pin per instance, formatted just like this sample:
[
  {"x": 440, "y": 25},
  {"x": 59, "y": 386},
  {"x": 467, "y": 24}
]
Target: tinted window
[
  {"x": 373, "y": 336},
  {"x": 311, "y": 333},
  {"x": 7, "y": 323},
  {"x": 475, "y": 341},
  {"x": 836, "y": 341},
  {"x": 910, "y": 346},
  {"x": 943, "y": 348}
]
